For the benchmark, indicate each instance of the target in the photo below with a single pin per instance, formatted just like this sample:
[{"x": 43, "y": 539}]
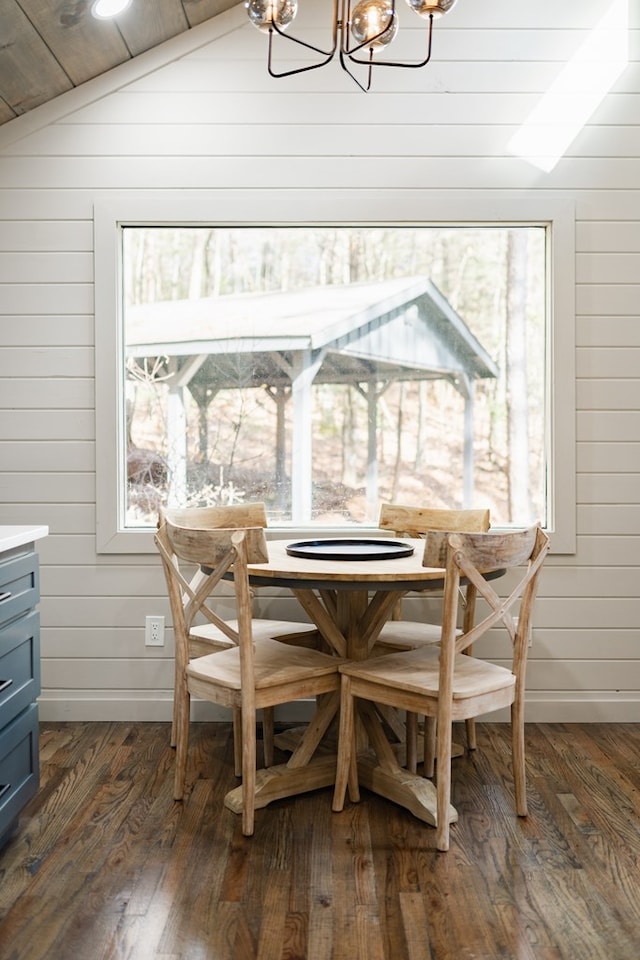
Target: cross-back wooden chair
[
  {"x": 206, "y": 637},
  {"x": 398, "y": 634},
  {"x": 413, "y": 522},
  {"x": 439, "y": 680},
  {"x": 247, "y": 676},
  {"x": 207, "y": 631}
]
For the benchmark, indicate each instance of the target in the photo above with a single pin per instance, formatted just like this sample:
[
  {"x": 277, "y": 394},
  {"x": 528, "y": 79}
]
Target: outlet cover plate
[{"x": 154, "y": 632}]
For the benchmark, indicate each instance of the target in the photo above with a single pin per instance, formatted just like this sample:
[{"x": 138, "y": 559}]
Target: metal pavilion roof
[{"x": 401, "y": 329}]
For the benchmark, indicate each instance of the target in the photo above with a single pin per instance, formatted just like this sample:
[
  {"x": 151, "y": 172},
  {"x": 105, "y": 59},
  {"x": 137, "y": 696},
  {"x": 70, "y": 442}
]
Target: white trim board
[{"x": 324, "y": 206}]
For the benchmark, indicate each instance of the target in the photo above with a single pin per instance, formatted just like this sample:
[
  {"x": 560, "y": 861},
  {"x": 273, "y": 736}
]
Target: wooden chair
[
  {"x": 439, "y": 680},
  {"x": 215, "y": 633},
  {"x": 400, "y": 634},
  {"x": 207, "y": 637},
  {"x": 248, "y": 676},
  {"x": 417, "y": 522}
]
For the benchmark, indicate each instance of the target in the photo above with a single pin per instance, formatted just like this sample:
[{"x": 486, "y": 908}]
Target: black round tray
[{"x": 344, "y": 549}]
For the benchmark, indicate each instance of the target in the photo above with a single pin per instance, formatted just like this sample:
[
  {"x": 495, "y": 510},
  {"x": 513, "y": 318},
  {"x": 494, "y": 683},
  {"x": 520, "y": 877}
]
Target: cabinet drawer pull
[
  {"x": 4, "y": 684},
  {"x": 4, "y": 596},
  {"x": 4, "y": 788}
]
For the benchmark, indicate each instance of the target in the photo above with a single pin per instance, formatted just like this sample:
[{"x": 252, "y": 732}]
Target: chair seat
[
  {"x": 409, "y": 634},
  {"x": 262, "y": 630},
  {"x": 274, "y": 663},
  {"x": 418, "y": 671}
]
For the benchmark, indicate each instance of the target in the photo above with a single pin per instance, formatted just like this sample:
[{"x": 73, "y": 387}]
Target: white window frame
[{"x": 290, "y": 208}]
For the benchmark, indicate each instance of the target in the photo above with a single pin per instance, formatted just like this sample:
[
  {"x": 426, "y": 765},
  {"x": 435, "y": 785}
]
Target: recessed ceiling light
[{"x": 105, "y": 9}]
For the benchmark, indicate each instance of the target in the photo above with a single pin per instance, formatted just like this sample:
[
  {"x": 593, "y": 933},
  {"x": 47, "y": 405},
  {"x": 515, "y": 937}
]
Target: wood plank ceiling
[{"x": 50, "y": 46}]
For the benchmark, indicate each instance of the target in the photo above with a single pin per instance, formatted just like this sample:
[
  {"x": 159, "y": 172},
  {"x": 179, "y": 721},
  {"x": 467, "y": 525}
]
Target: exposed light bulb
[
  {"x": 373, "y": 17},
  {"x": 263, "y": 13},
  {"x": 105, "y": 9},
  {"x": 432, "y": 8}
]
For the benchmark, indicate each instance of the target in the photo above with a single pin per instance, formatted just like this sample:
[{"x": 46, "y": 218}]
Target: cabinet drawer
[
  {"x": 19, "y": 665},
  {"x": 19, "y": 586},
  {"x": 19, "y": 773}
]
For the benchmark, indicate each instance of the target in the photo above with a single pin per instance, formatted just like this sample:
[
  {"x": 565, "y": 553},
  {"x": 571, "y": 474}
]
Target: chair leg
[
  {"x": 182, "y": 704},
  {"x": 174, "y": 725},
  {"x": 174, "y": 718},
  {"x": 237, "y": 742},
  {"x": 354, "y": 785},
  {"x": 248, "y": 771},
  {"x": 470, "y": 725},
  {"x": 518, "y": 758},
  {"x": 429, "y": 746},
  {"x": 268, "y": 735},
  {"x": 411, "y": 741},
  {"x": 443, "y": 789},
  {"x": 346, "y": 752}
]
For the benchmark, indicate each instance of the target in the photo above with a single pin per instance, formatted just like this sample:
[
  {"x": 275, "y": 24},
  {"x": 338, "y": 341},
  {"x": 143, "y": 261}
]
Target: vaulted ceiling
[{"x": 50, "y": 46}]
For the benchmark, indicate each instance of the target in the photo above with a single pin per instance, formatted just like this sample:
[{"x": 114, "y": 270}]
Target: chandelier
[{"x": 360, "y": 31}]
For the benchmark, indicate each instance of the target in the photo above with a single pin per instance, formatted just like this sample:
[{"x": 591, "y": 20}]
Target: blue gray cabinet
[{"x": 19, "y": 679}]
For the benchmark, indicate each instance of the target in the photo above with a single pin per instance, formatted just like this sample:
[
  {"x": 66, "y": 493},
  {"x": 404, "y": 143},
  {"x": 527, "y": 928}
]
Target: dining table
[{"x": 349, "y": 588}]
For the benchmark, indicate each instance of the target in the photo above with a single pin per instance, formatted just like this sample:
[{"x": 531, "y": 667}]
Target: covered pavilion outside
[{"x": 366, "y": 335}]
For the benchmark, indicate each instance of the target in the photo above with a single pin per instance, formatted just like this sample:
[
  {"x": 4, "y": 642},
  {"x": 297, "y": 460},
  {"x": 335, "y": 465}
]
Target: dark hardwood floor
[{"x": 105, "y": 865}]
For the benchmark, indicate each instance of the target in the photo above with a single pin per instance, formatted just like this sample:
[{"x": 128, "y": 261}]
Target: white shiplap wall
[{"x": 194, "y": 115}]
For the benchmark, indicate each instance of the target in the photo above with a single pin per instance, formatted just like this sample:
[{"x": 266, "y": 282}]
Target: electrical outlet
[
  {"x": 516, "y": 620},
  {"x": 154, "y": 632}
]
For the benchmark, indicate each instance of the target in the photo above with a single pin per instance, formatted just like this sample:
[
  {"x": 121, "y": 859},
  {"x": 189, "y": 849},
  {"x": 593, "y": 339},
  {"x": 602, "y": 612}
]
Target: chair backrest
[
  {"x": 207, "y": 546},
  {"x": 215, "y": 553},
  {"x": 250, "y": 517},
  {"x": 418, "y": 521},
  {"x": 475, "y": 557},
  {"x": 237, "y": 515},
  {"x": 230, "y": 517}
]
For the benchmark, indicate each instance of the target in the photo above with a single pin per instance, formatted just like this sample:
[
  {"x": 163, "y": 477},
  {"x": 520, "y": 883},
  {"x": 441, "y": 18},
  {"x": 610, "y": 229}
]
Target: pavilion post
[
  {"x": 306, "y": 364},
  {"x": 468, "y": 459}
]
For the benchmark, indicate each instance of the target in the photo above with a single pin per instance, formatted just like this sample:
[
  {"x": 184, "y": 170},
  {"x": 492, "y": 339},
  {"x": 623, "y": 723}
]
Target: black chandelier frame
[{"x": 342, "y": 13}]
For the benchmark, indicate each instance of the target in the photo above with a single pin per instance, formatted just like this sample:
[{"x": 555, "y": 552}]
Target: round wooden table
[{"x": 349, "y": 601}]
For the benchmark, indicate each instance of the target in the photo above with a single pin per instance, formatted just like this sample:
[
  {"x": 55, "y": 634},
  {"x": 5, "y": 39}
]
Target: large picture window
[{"x": 326, "y": 369}]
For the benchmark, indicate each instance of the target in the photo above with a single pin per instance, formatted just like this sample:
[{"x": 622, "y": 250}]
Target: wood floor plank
[
  {"x": 315, "y": 872},
  {"x": 105, "y": 865},
  {"x": 271, "y": 938},
  {"x": 413, "y": 910}
]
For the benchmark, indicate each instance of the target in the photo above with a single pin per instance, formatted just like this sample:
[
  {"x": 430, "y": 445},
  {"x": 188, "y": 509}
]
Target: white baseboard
[
  {"x": 145, "y": 709},
  {"x": 156, "y": 706}
]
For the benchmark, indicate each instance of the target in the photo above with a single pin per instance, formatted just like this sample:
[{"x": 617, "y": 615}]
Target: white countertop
[{"x": 17, "y": 536}]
